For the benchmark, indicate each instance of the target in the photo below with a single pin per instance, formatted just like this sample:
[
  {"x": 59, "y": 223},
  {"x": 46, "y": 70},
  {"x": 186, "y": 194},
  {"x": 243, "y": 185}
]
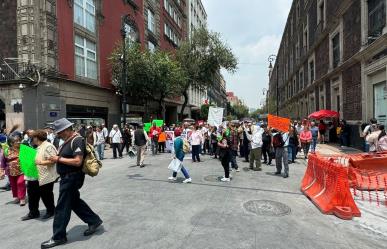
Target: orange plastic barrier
[
  {"x": 368, "y": 171},
  {"x": 326, "y": 184}
]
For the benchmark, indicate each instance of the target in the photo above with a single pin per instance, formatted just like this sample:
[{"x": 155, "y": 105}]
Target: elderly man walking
[
  {"x": 116, "y": 141},
  {"x": 69, "y": 166}
]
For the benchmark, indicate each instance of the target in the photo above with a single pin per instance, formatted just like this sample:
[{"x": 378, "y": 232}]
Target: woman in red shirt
[
  {"x": 306, "y": 139},
  {"x": 322, "y": 129}
]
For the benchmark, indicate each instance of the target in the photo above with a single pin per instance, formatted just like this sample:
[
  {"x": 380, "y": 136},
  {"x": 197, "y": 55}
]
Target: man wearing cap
[{"x": 69, "y": 166}]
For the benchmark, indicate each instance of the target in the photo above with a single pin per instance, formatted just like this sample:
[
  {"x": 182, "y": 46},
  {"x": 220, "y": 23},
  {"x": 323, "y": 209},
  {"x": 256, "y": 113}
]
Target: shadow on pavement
[{"x": 76, "y": 233}]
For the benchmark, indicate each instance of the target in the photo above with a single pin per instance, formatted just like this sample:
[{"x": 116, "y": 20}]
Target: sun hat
[{"x": 61, "y": 125}]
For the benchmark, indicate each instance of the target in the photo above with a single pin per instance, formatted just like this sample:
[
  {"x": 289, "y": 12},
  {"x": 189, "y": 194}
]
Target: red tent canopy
[{"x": 324, "y": 114}]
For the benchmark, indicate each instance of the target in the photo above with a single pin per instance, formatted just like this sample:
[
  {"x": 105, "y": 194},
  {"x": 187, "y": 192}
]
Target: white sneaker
[
  {"x": 224, "y": 179},
  {"x": 189, "y": 180},
  {"x": 171, "y": 178},
  {"x": 238, "y": 170}
]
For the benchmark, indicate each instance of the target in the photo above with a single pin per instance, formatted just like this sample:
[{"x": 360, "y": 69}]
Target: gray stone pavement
[{"x": 141, "y": 209}]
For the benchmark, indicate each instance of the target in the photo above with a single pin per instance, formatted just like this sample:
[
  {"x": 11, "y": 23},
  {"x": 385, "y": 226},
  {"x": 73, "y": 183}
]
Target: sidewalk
[{"x": 335, "y": 150}]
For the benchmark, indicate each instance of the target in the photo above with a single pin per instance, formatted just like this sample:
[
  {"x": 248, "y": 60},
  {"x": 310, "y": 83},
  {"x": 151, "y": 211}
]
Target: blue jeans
[
  {"x": 292, "y": 152},
  {"x": 196, "y": 153},
  {"x": 234, "y": 154},
  {"x": 366, "y": 147},
  {"x": 313, "y": 144},
  {"x": 184, "y": 171},
  {"x": 100, "y": 151}
]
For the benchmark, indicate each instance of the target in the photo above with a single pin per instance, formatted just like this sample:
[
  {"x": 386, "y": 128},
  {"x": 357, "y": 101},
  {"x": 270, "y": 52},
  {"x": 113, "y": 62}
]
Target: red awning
[{"x": 324, "y": 114}]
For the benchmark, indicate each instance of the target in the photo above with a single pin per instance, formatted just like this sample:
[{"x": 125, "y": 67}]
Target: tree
[
  {"x": 201, "y": 59},
  {"x": 204, "y": 111},
  {"x": 153, "y": 76}
]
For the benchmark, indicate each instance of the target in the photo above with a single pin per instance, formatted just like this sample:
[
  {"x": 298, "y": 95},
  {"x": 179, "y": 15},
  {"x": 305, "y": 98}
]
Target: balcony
[{"x": 16, "y": 71}]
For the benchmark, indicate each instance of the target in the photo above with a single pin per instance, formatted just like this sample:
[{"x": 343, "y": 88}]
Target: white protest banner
[{"x": 215, "y": 116}]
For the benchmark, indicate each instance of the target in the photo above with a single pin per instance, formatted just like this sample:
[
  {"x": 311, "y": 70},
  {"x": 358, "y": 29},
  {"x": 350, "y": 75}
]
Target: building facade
[
  {"x": 55, "y": 52},
  {"x": 333, "y": 55},
  {"x": 197, "y": 17},
  {"x": 233, "y": 99}
]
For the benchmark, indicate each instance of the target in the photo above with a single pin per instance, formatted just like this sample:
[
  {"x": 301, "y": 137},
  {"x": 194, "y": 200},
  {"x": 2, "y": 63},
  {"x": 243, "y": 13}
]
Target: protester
[
  {"x": 15, "y": 175},
  {"x": 281, "y": 143},
  {"x": 266, "y": 145},
  {"x": 246, "y": 142},
  {"x": 322, "y": 128},
  {"x": 293, "y": 145},
  {"x": 225, "y": 156},
  {"x": 299, "y": 127},
  {"x": 100, "y": 142},
  {"x": 344, "y": 133},
  {"x": 140, "y": 141},
  {"x": 255, "y": 138},
  {"x": 306, "y": 139},
  {"x": 206, "y": 139},
  {"x": 315, "y": 136},
  {"x": 240, "y": 132},
  {"x": 126, "y": 139},
  {"x": 196, "y": 139},
  {"x": 234, "y": 140},
  {"x": 154, "y": 136},
  {"x": 382, "y": 139},
  {"x": 372, "y": 139},
  {"x": 162, "y": 140},
  {"x": 331, "y": 132},
  {"x": 105, "y": 134},
  {"x": 179, "y": 154},
  {"x": 214, "y": 142},
  {"x": 3, "y": 166},
  {"x": 42, "y": 188},
  {"x": 368, "y": 129},
  {"x": 116, "y": 141},
  {"x": 69, "y": 166},
  {"x": 91, "y": 137},
  {"x": 50, "y": 134}
]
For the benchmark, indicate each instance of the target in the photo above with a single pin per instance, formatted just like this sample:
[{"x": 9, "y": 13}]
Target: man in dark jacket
[{"x": 266, "y": 145}]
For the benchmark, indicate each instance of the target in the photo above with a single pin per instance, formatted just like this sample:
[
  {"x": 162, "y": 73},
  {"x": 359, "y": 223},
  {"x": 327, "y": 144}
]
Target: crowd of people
[{"x": 61, "y": 150}]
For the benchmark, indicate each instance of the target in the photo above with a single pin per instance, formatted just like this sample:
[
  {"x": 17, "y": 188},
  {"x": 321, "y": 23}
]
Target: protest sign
[
  {"x": 159, "y": 123},
  {"x": 147, "y": 127},
  {"x": 27, "y": 161},
  {"x": 215, "y": 116},
  {"x": 279, "y": 123},
  {"x": 170, "y": 139}
]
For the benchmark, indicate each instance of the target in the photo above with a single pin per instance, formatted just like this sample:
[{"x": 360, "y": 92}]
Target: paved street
[{"x": 141, "y": 209}]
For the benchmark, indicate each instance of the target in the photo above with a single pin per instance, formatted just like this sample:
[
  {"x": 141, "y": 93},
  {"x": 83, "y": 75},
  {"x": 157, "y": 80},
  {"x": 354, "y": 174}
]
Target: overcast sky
[{"x": 253, "y": 29}]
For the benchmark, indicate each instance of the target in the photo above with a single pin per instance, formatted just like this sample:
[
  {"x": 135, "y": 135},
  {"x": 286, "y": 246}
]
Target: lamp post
[
  {"x": 272, "y": 58},
  {"x": 267, "y": 93}
]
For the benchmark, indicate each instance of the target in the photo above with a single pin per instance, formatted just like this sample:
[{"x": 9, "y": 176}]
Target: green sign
[
  {"x": 147, "y": 127},
  {"x": 159, "y": 123},
  {"x": 27, "y": 157}
]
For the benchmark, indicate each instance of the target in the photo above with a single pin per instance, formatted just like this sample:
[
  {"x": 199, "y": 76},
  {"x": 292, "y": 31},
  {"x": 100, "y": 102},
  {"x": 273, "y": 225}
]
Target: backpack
[
  {"x": 278, "y": 141},
  {"x": 91, "y": 164},
  {"x": 186, "y": 146}
]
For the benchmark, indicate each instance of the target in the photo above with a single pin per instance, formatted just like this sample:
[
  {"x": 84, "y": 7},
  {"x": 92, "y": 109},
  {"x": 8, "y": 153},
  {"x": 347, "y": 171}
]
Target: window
[
  {"x": 376, "y": 17},
  {"x": 321, "y": 14},
  {"x": 85, "y": 58},
  {"x": 84, "y": 14},
  {"x": 131, "y": 33},
  {"x": 336, "y": 50},
  {"x": 151, "y": 21},
  {"x": 151, "y": 46},
  {"x": 311, "y": 72}
]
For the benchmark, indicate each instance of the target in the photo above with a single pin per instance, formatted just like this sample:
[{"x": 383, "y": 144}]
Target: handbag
[{"x": 175, "y": 165}]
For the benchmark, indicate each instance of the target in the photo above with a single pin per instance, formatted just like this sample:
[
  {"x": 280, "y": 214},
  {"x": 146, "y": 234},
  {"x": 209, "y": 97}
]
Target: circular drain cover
[
  {"x": 212, "y": 178},
  {"x": 267, "y": 208}
]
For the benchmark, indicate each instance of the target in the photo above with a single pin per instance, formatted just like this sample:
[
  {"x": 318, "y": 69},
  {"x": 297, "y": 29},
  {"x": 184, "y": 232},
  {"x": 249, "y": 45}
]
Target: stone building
[{"x": 333, "y": 55}]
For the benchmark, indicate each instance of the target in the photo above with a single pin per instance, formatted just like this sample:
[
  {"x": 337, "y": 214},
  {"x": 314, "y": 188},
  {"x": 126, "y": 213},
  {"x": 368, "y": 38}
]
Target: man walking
[
  {"x": 280, "y": 143},
  {"x": 116, "y": 141},
  {"x": 69, "y": 166},
  {"x": 140, "y": 141}
]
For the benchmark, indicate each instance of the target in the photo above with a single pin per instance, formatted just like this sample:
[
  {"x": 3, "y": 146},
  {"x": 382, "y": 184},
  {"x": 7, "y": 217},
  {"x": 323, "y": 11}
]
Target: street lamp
[
  {"x": 267, "y": 93},
  {"x": 271, "y": 59},
  {"x": 127, "y": 29}
]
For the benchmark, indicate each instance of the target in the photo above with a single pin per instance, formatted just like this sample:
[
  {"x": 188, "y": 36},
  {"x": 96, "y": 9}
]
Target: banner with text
[
  {"x": 215, "y": 116},
  {"x": 279, "y": 123}
]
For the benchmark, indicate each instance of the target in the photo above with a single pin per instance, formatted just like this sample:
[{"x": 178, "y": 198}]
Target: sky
[{"x": 253, "y": 29}]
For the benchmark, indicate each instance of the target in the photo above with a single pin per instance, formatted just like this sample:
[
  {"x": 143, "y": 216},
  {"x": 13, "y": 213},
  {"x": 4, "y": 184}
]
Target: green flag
[
  {"x": 27, "y": 161},
  {"x": 147, "y": 127}
]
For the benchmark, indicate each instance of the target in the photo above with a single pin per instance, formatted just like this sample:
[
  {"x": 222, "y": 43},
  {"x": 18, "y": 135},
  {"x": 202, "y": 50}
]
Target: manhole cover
[
  {"x": 266, "y": 208},
  {"x": 212, "y": 178}
]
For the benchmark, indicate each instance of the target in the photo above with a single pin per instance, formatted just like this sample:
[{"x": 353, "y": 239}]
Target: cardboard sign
[
  {"x": 279, "y": 123},
  {"x": 170, "y": 140},
  {"x": 147, "y": 127},
  {"x": 215, "y": 116}
]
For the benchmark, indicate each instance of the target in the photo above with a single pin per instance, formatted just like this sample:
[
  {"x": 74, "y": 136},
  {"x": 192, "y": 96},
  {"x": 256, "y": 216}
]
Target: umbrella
[{"x": 324, "y": 114}]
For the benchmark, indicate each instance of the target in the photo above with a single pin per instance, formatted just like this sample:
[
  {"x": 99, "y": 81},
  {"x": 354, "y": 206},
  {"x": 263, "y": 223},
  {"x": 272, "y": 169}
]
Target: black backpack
[{"x": 278, "y": 141}]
